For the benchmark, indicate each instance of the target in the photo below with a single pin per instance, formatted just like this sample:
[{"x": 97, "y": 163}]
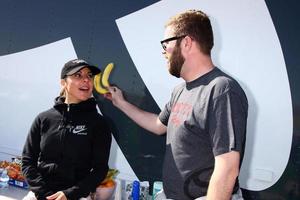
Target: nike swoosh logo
[{"x": 78, "y": 130}]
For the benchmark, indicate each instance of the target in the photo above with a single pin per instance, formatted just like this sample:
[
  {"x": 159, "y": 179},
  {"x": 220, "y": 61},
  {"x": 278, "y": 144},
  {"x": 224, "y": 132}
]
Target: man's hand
[
  {"x": 115, "y": 95},
  {"x": 57, "y": 196}
]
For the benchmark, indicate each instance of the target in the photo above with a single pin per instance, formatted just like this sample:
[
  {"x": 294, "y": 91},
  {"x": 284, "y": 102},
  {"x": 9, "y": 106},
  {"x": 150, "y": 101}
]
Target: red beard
[{"x": 176, "y": 61}]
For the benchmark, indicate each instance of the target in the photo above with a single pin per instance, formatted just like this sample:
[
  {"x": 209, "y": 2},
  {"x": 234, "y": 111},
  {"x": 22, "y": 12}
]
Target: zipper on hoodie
[
  {"x": 66, "y": 128},
  {"x": 67, "y": 124}
]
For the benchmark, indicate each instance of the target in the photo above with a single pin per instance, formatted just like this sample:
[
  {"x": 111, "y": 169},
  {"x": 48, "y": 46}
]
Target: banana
[
  {"x": 101, "y": 80},
  {"x": 97, "y": 85},
  {"x": 106, "y": 74}
]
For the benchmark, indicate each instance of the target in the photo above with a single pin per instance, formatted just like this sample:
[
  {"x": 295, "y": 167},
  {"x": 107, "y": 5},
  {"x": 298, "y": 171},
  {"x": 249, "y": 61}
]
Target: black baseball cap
[{"x": 75, "y": 65}]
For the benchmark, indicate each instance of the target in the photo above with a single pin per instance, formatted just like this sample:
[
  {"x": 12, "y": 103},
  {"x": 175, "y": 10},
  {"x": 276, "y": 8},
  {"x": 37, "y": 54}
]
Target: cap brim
[{"x": 93, "y": 69}]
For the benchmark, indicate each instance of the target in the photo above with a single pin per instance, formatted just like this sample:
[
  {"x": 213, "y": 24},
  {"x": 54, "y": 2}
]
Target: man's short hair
[{"x": 196, "y": 24}]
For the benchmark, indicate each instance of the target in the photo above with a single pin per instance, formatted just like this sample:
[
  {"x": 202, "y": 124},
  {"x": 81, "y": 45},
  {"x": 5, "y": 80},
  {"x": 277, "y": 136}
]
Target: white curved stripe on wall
[
  {"x": 30, "y": 80},
  {"x": 247, "y": 48}
]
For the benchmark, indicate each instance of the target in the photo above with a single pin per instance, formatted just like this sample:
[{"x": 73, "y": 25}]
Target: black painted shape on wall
[{"x": 95, "y": 36}]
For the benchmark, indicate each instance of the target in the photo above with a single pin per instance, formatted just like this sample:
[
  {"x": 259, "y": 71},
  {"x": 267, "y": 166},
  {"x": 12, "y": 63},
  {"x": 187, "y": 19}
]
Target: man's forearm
[
  {"x": 224, "y": 176},
  {"x": 220, "y": 188},
  {"x": 146, "y": 120}
]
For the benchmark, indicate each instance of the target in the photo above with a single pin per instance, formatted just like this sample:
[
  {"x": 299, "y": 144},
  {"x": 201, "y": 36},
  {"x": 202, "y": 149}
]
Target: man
[{"x": 205, "y": 119}]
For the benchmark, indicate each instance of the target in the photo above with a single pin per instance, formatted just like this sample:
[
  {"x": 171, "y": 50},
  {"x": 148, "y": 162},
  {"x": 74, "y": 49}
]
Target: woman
[{"x": 67, "y": 149}]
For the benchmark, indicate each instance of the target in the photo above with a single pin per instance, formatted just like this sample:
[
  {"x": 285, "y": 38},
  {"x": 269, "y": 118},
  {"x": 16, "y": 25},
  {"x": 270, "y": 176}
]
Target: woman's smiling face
[{"x": 78, "y": 86}]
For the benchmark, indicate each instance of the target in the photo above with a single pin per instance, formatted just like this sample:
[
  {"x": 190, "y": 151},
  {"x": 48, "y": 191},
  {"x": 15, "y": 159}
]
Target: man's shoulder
[{"x": 223, "y": 83}]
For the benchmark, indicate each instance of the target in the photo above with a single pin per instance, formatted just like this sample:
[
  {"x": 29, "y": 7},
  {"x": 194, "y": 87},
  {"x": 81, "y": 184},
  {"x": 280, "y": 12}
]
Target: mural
[{"x": 256, "y": 42}]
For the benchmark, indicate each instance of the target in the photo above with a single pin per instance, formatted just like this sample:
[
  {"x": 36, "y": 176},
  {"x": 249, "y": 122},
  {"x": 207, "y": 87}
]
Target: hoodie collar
[{"x": 87, "y": 105}]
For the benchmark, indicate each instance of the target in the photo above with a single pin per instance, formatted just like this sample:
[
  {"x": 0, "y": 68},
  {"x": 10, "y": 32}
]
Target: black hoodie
[{"x": 67, "y": 149}]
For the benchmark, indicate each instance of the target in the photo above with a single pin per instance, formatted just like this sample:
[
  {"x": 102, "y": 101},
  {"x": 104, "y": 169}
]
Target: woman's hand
[{"x": 57, "y": 196}]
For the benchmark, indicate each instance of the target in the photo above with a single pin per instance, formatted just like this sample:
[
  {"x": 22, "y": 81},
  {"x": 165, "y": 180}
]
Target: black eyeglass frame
[{"x": 170, "y": 39}]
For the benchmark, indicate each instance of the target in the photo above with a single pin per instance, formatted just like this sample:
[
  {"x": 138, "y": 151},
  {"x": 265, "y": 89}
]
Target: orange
[{"x": 110, "y": 183}]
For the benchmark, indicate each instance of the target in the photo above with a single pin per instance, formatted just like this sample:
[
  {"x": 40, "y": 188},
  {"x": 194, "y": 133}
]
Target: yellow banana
[
  {"x": 98, "y": 87},
  {"x": 106, "y": 73}
]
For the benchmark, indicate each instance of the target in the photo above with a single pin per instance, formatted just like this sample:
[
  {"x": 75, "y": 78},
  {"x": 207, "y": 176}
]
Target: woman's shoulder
[{"x": 48, "y": 113}]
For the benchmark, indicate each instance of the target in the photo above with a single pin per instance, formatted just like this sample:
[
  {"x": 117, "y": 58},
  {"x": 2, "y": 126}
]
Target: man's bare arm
[
  {"x": 146, "y": 120},
  {"x": 224, "y": 176}
]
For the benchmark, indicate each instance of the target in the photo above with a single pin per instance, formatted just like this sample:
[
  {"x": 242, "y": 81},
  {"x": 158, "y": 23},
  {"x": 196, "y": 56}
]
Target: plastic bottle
[
  {"x": 135, "y": 190},
  {"x": 118, "y": 190},
  {"x": 4, "y": 178},
  {"x": 157, "y": 186}
]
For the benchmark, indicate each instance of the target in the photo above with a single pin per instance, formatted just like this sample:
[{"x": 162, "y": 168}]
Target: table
[{"x": 12, "y": 193}]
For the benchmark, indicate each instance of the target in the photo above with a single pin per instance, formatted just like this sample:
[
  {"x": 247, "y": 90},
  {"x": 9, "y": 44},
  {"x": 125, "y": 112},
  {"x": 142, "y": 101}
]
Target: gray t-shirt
[{"x": 204, "y": 118}]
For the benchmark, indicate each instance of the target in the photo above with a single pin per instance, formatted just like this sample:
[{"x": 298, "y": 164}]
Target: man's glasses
[{"x": 165, "y": 42}]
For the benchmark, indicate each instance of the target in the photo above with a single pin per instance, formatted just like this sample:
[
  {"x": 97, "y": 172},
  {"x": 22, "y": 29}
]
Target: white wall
[{"x": 29, "y": 84}]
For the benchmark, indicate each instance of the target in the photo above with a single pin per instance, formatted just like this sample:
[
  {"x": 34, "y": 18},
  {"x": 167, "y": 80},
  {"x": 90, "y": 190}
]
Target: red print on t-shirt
[{"x": 180, "y": 112}]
